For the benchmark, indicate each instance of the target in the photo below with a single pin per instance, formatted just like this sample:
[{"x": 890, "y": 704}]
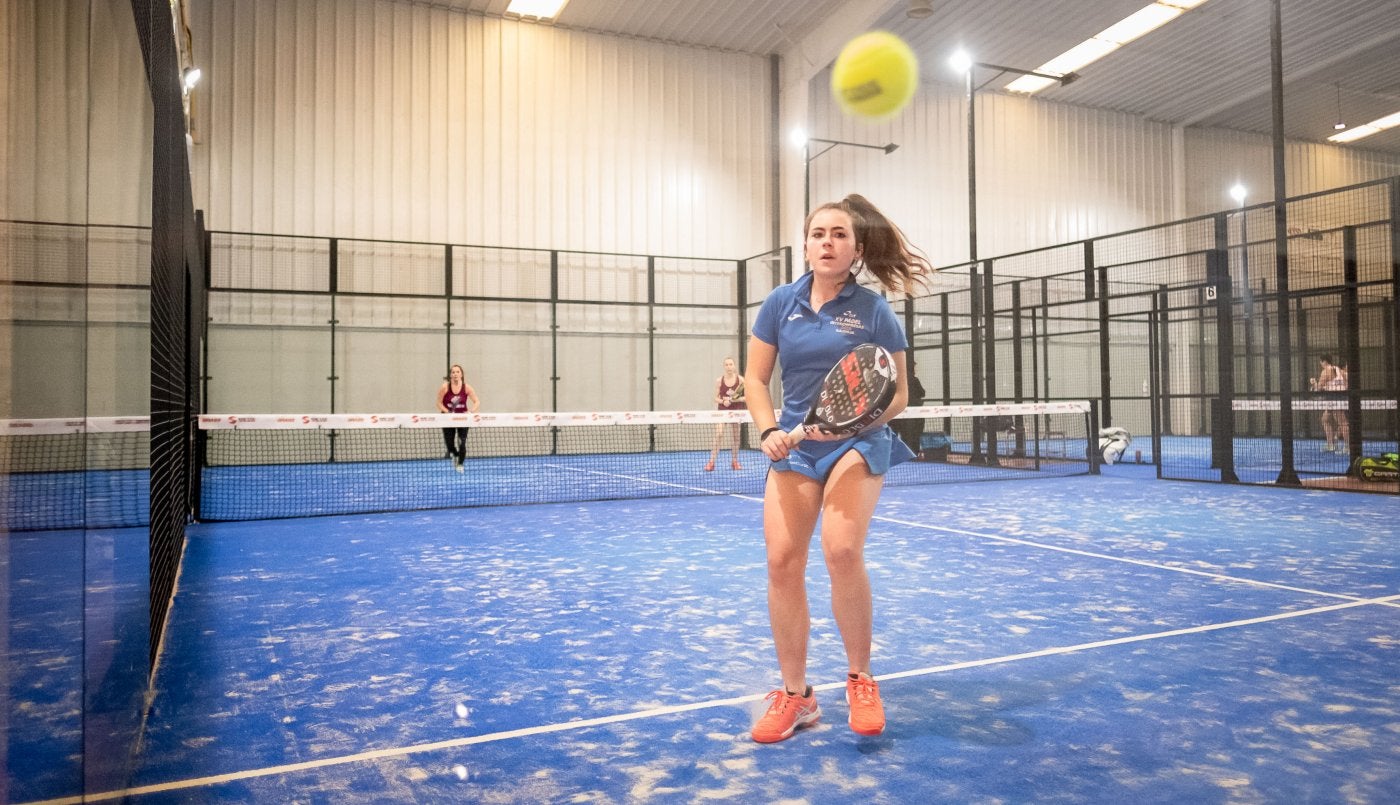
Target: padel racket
[
  {"x": 736, "y": 394},
  {"x": 854, "y": 393}
]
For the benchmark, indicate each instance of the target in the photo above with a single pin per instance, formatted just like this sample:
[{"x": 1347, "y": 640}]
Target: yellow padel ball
[{"x": 875, "y": 75}]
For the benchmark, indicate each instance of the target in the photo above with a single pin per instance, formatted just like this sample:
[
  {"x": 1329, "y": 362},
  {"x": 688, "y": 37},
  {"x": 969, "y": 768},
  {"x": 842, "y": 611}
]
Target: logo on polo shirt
[{"x": 848, "y": 322}]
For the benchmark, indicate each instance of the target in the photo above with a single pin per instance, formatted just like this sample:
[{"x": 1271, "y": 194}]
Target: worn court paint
[{"x": 318, "y": 639}]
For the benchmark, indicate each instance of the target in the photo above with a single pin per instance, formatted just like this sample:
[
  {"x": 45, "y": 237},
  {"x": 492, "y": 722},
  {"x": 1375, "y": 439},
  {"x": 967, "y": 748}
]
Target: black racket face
[{"x": 856, "y": 391}]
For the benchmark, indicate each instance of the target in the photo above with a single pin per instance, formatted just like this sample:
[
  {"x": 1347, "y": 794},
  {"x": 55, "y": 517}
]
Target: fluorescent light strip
[
  {"x": 1146, "y": 19},
  {"x": 1366, "y": 129},
  {"x": 541, "y": 9}
]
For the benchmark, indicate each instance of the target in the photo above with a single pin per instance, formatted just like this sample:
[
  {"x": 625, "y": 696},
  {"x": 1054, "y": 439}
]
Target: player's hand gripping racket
[{"x": 854, "y": 394}]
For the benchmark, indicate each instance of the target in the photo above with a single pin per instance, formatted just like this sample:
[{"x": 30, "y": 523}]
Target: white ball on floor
[
  {"x": 460, "y": 771},
  {"x": 461, "y": 710}
]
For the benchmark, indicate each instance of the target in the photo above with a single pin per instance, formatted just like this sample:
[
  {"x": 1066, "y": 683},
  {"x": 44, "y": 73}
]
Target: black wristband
[{"x": 764, "y": 436}]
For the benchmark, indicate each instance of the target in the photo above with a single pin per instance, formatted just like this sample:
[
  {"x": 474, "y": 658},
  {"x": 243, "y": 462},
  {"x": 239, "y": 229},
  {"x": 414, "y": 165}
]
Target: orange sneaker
[
  {"x": 787, "y": 712},
  {"x": 736, "y": 464},
  {"x": 867, "y": 713},
  {"x": 710, "y": 467}
]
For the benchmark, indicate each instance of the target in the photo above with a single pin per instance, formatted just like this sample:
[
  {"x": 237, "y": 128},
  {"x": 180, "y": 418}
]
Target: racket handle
[{"x": 797, "y": 434}]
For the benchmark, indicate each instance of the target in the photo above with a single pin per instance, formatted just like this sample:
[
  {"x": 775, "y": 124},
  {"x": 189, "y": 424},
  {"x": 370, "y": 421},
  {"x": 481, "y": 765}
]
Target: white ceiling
[{"x": 1210, "y": 67}]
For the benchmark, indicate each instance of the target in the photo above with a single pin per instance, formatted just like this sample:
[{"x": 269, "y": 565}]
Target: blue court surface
[{"x": 1091, "y": 639}]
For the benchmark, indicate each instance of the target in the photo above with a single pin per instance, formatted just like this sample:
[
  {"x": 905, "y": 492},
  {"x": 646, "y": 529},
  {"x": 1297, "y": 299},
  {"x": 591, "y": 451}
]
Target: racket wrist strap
[{"x": 764, "y": 436}]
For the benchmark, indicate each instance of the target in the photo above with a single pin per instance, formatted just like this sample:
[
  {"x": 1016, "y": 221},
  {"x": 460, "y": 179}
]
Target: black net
[
  {"x": 269, "y": 466},
  {"x": 1336, "y": 438},
  {"x": 75, "y": 473}
]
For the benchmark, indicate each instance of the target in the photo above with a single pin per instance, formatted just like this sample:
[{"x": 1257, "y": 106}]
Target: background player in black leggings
[{"x": 456, "y": 397}]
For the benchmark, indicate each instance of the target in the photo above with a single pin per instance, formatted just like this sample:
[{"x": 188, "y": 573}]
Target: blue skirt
[{"x": 880, "y": 448}]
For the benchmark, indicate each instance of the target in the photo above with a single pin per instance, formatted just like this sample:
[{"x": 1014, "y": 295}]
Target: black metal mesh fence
[{"x": 1168, "y": 327}]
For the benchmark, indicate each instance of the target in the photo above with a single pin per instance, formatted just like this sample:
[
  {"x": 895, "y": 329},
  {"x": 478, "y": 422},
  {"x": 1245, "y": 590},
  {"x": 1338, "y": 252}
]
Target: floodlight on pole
[
  {"x": 983, "y": 380},
  {"x": 808, "y": 157},
  {"x": 961, "y": 61}
]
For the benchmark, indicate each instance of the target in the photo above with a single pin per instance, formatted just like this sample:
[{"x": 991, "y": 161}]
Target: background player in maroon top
[
  {"x": 729, "y": 396},
  {"x": 456, "y": 397}
]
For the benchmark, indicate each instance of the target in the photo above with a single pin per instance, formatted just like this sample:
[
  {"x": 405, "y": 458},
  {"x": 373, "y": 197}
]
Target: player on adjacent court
[
  {"x": 729, "y": 396},
  {"x": 811, "y": 324},
  {"x": 1332, "y": 377},
  {"x": 456, "y": 397}
]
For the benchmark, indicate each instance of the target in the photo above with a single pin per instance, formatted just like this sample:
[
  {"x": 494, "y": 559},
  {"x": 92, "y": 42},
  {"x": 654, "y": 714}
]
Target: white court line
[
  {"x": 1389, "y": 600},
  {"x": 1139, "y": 562},
  {"x": 635, "y": 478},
  {"x": 587, "y": 723},
  {"x": 1349, "y": 602},
  {"x": 1123, "y": 559}
]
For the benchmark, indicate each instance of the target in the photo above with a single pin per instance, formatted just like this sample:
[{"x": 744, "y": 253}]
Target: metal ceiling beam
[{"x": 1265, "y": 89}]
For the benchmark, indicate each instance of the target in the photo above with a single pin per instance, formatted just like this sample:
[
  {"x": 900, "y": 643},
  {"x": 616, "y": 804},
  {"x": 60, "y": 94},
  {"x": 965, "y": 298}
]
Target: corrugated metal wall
[
  {"x": 1046, "y": 173},
  {"x": 1217, "y": 158},
  {"x": 1050, "y": 173},
  {"x": 380, "y": 119}
]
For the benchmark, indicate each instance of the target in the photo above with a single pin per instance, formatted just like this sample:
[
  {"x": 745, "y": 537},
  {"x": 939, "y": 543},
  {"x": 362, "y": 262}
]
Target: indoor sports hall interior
[{"x": 1146, "y": 551}]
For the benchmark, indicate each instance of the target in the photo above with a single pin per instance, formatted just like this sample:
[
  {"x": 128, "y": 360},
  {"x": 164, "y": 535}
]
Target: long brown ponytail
[{"x": 886, "y": 252}]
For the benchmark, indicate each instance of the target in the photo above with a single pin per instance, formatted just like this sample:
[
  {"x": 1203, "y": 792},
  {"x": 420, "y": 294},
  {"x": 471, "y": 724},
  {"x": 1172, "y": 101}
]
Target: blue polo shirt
[{"x": 809, "y": 343}]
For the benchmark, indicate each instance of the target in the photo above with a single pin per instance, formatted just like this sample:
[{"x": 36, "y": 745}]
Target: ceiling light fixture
[
  {"x": 1367, "y": 129},
  {"x": 1339, "y": 125},
  {"x": 1133, "y": 26},
  {"x": 919, "y": 9},
  {"x": 539, "y": 9}
]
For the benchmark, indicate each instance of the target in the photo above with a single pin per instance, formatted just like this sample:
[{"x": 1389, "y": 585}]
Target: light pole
[
  {"x": 962, "y": 62},
  {"x": 808, "y": 157},
  {"x": 983, "y": 365}
]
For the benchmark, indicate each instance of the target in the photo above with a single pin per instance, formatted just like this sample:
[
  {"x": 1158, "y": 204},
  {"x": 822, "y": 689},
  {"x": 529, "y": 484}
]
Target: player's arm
[
  {"x": 442, "y": 391},
  {"x": 473, "y": 401},
  {"x": 762, "y": 358}
]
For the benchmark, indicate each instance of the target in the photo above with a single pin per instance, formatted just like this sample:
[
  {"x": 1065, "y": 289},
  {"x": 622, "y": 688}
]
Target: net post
[
  {"x": 974, "y": 279},
  {"x": 1091, "y": 445}
]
